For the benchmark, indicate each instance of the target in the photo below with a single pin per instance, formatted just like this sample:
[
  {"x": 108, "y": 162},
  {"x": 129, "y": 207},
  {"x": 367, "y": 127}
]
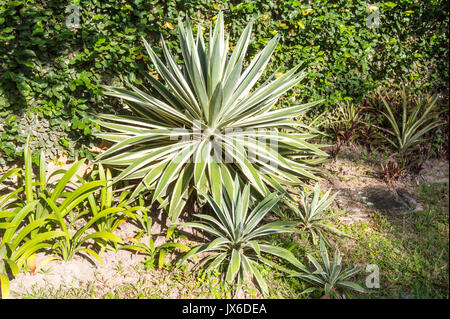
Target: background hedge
[{"x": 50, "y": 74}]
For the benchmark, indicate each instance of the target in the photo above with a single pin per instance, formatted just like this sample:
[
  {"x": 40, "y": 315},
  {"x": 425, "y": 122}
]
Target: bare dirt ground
[{"x": 362, "y": 190}]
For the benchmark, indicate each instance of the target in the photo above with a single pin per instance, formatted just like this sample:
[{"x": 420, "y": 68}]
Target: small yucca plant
[
  {"x": 240, "y": 241},
  {"x": 329, "y": 274},
  {"x": 408, "y": 131},
  {"x": 205, "y": 123},
  {"x": 314, "y": 215}
]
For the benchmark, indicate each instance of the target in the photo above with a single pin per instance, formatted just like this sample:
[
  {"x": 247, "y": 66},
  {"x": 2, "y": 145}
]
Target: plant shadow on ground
[{"x": 411, "y": 250}]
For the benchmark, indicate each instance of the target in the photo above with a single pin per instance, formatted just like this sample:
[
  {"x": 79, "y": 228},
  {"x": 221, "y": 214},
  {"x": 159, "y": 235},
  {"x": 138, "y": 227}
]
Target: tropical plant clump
[
  {"x": 238, "y": 246},
  {"x": 414, "y": 122},
  {"x": 40, "y": 214},
  {"x": 328, "y": 275},
  {"x": 207, "y": 123},
  {"x": 314, "y": 216}
]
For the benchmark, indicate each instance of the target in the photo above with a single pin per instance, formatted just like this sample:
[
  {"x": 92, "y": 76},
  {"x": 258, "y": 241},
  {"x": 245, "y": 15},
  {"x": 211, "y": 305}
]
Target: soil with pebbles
[{"x": 362, "y": 191}]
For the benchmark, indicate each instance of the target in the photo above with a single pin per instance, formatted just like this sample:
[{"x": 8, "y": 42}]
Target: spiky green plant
[
  {"x": 408, "y": 131},
  {"x": 206, "y": 106},
  {"x": 43, "y": 205},
  {"x": 105, "y": 200},
  {"x": 329, "y": 274},
  {"x": 17, "y": 243},
  {"x": 314, "y": 215},
  {"x": 26, "y": 216},
  {"x": 240, "y": 239}
]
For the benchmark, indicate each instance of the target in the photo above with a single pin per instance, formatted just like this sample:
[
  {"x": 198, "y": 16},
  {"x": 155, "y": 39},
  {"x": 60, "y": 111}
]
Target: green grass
[{"x": 411, "y": 251}]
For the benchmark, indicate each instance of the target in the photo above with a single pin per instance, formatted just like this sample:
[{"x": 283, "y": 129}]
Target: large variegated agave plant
[{"x": 205, "y": 107}]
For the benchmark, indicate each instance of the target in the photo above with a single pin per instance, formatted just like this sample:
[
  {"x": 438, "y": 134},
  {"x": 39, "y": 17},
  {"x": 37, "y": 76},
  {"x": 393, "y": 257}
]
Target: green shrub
[
  {"x": 34, "y": 205},
  {"x": 39, "y": 213},
  {"x": 50, "y": 74},
  {"x": 417, "y": 119},
  {"x": 149, "y": 249},
  {"x": 105, "y": 200}
]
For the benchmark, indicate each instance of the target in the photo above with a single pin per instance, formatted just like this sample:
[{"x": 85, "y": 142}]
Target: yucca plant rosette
[
  {"x": 206, "y": 122},
  {"x": 313, "y": 214},
  {"x": 329, "y": 274},
  {"x": 414, "y": 123},
  {"x": 239, "y": 239}
]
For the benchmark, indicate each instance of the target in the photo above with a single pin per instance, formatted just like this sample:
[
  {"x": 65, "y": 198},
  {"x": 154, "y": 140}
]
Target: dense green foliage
[
  {"x": 50, "y": 74},
  {"x": 37, "y": 209}
]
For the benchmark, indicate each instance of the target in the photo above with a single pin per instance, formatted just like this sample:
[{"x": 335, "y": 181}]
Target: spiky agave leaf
[{"x": 209, "y": 123}]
